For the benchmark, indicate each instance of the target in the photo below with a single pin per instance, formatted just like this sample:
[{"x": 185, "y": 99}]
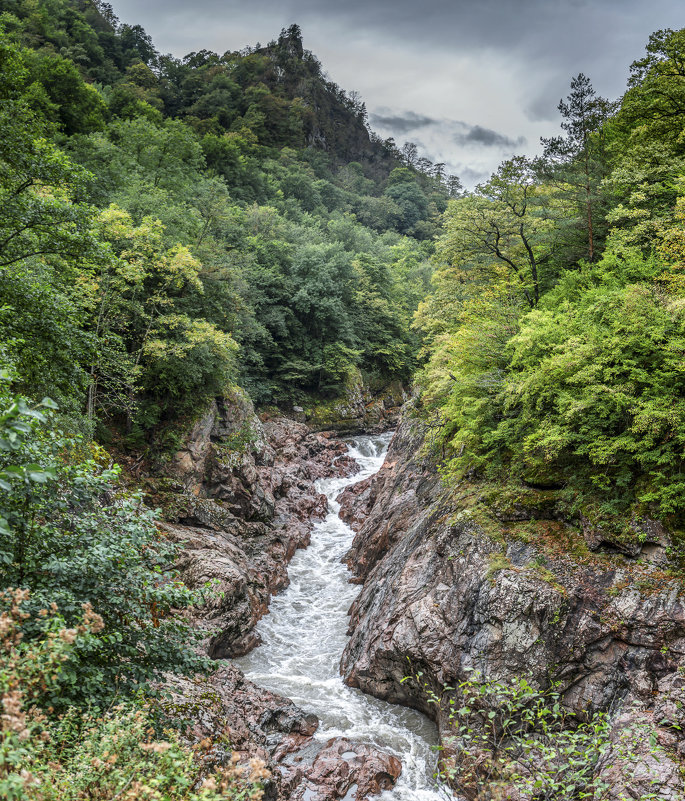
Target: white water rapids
[{"x": 304, "y": 635}]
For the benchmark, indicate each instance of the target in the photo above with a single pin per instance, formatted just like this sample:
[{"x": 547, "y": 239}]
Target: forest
[{"x": 171, "y": 229}]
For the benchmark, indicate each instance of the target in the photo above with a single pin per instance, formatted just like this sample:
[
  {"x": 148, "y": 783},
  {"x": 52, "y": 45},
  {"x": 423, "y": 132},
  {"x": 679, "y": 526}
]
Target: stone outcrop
[
  {"x": 241, "y": 496},
  {"x": 466, "y": 581},
  {"x": 232, "y": 715},
  {"x": 359, "y": 410}
]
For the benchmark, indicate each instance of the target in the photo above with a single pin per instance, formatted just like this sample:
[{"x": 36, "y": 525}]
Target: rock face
[
  {"x": 509, "y": 589},
  {"x": 241, "y": 497},
  {"x": 235, "y": 716},
  {"x": 359, "y": 410}
]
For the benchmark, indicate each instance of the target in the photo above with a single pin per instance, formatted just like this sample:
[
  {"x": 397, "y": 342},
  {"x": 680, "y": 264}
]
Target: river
[{"x": 304, "y": 635}]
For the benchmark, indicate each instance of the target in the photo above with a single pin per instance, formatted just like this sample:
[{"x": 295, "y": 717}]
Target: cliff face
[
  {"x": 240, "y": 495},
  {"x": 476, "y": 581}
]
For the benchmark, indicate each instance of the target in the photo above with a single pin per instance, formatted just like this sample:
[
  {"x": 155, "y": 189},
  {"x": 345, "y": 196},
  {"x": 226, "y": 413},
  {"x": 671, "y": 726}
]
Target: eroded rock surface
[
  {"x": 241, "y": 496},
  {"x": 360, "y": 410},
  {"x": 446, "y": 590},
  {"x": 235, "y": 716}
]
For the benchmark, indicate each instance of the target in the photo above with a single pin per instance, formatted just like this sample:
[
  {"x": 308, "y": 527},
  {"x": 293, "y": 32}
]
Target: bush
[
  {"x": 510, "y": 740},
  {"x": 80, "y": 755},
  {"x": 70, "y": 535}
]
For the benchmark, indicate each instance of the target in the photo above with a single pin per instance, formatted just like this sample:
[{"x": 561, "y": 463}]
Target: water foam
[{"x": 304, "y": 636}]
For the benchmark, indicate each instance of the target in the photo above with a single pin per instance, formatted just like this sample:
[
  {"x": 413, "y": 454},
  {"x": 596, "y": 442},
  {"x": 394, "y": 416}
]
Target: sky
[{"x": 471, "y": 82}]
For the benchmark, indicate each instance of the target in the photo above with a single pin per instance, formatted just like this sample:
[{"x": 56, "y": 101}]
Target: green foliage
[
  {"x": 39, "y": 188},
  {"x": 46, "y": 757},
  {"x": 296, "y": 273},
  {"x": 70, "y": 536},
  {"x": 558, "y": 372},
  {"x": 509, "y": 739}
]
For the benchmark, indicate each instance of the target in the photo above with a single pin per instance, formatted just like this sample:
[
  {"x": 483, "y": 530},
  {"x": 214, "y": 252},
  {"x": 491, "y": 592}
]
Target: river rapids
[{"x": 304, "y": 635}]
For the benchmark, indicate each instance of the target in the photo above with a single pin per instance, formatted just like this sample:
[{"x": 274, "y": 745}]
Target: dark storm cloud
[
  {"x": 501, "y": 65},
  {"x": 461, "y": 133},
  {"x": 558, "y": 32},
  {"x": 553, "y": 38},
  {"x": 487, "y": 138},
  {"x": 400, "y": 123}
]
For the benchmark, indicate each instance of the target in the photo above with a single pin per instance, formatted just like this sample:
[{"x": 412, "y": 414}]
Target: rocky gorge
[
  {"x": 240, "y": 496},
  {"x": 451, "y": 581},
  {"x": 456, "y": 581}
]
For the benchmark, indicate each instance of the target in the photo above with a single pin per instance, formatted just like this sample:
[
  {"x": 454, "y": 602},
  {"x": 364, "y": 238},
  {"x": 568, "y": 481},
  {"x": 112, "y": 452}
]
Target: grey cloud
[
  {"x": 477, "y": 135},
  {"x": 554, "y": 38},
  {"x": 400, "y": 123},
  {"x": 471, "y": 177},
  {"x": 457, "y": 131},
  {"x": 556, "y": 32}
]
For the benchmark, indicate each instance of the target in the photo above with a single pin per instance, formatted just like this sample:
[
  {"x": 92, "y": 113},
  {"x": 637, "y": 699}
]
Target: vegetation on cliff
[
  {"x": 555, "y": 326},
  {"x": 171, "y": 228}
]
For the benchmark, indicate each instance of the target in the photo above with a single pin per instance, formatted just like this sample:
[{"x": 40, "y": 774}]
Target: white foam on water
[{"x": 304, "y": 635}]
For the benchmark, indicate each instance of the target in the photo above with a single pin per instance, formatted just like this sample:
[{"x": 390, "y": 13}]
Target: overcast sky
[{"x": 470, "y": 81}]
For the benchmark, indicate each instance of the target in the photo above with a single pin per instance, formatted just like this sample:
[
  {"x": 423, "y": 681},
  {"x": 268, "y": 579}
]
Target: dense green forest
[
  {"x": 169, "y": 229},
  {"x": 555, "y": 330},
  {"x": 172, "y": 228}
]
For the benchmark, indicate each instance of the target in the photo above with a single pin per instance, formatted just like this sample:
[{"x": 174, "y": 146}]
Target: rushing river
[{"x": 304, "y": 637}]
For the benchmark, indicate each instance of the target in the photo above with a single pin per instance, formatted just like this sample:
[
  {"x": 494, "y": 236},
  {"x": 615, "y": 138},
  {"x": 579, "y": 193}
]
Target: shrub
[
  {"x": 70, "y": 535},
  {"x": 510, "y": 740},
  {"x": 80, "y": 755}
]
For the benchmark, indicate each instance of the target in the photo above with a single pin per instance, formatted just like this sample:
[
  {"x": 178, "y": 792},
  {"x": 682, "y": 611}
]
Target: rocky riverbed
[
  {"x": 473, "y": 578},
  {"x": 241, "y": 497},
  {"x": 452, "y": 583}
]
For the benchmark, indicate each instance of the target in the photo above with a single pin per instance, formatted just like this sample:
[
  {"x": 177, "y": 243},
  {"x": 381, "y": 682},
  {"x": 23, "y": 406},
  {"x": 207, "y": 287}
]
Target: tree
[
  {"x": 509, "y": 739},
  {"x": 659, "y": 78},
  {"x": 410, "y": 153},
  {"x": 578, "y": 159},
  {"x": 142, "y": 342},
  {"x": 506, "y": 221},
  {"x": 40, "y": 212}
]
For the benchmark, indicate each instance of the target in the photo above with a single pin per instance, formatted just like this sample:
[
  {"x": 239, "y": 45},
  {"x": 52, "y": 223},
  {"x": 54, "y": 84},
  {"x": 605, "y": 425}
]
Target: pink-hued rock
[
  {"x": 241, "y": 496},
  {"x": 231, "y": 714},
  {"x": 444, "y": 593}
]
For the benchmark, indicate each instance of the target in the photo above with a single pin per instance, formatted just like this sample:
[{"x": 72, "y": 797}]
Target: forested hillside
[
  {"x": 172, "y": 227},
  {"x": 555, "y": 326},
  {"x": 178, "y": 235}
]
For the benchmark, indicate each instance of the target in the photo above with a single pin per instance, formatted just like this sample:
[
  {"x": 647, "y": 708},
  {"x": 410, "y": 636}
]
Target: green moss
[{"x": 496, "y": 563}]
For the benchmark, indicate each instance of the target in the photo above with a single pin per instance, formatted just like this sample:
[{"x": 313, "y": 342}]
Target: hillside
[{"x": 220, "y": 293}]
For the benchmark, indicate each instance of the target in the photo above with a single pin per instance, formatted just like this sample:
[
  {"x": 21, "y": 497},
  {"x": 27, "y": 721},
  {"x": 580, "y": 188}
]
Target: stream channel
[{"x": 304, "y": 635}]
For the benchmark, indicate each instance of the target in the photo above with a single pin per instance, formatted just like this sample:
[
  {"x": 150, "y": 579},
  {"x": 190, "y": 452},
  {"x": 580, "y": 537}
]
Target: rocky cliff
[
  {"x": 240, "y": 495},
  {"x": 504, "y": 584}
]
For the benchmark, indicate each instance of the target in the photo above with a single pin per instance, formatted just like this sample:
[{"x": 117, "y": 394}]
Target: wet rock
[
  {"x": 240, "y": 494},
  {"x": 444, "y": 593},
  {"x": 384, "y": 507},
  {"x": 345, "y": 769},
  {"x": 634, "y": 768},
  {"x": 234, "y": 715},
  {"x": 356, "y": 501}
]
